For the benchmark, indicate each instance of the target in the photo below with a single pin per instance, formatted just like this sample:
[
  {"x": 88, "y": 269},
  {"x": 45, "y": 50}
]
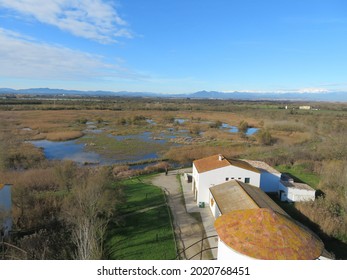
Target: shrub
[
  {"x": 243, "y": 126},
  {"x": 264, "y": 137}
]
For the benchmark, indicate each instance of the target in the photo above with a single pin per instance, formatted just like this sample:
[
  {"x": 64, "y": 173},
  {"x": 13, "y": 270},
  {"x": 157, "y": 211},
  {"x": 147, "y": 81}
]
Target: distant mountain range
[{"x": 304, "y": 96}]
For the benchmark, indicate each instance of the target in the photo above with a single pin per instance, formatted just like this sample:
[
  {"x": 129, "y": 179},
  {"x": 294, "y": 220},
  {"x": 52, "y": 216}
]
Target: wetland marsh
[{"x": 41, "y": 142}]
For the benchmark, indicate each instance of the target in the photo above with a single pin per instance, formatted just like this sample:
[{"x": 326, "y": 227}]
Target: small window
[
  {"x": 232, "y": 178},
  {"x": 247, "y": 180},
  {"x": 239, "y": 178},
  {"x": 226, "y": 179}
]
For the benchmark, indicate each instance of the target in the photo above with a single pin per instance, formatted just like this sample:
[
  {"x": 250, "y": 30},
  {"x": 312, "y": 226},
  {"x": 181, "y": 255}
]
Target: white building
[
  {"x": 269, "y": 178},
  {"x": 305, "y": 107},
  {"x": 215, "y": 170},
  {"x": 292, "y": 191}
]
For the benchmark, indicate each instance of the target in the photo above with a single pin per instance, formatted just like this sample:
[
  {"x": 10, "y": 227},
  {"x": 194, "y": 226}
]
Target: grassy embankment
[
  {"x": 300, "y": 174},
  {"x": 143, "y": 230}
]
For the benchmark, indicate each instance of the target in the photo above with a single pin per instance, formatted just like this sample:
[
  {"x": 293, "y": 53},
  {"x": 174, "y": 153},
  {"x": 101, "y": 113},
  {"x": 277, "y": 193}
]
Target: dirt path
[{"x": 188, "y": 226}]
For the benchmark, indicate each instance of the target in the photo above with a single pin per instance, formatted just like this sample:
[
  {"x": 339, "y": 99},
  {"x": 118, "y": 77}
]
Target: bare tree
[{"x": 88, "y": 211}]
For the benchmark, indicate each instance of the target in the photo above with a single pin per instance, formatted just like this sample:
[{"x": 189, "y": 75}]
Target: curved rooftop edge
[{"x": 265, "y": 234}]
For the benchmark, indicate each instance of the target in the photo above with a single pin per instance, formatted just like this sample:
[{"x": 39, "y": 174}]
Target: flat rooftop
[{"x": 295, "y": 185}]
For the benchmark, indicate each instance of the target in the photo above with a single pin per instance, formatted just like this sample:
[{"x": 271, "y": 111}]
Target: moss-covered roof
[{"x": 264, "y": 234}]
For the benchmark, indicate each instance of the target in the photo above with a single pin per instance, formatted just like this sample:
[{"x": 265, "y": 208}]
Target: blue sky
[{"x": 174, "y": 46}]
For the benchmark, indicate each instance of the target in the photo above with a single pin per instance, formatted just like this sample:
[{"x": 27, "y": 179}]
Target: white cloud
[
  {"x": 91, "y": 19},
  {"x": 25, "y": 58},
  {"x": 313, "y": 90},
  {"x": 282, "y": 91}
]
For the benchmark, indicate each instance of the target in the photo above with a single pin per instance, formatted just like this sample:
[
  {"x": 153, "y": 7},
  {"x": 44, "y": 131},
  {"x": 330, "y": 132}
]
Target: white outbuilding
[{"x": 293, "y": 192}]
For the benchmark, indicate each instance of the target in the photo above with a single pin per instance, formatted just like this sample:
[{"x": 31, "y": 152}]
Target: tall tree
[{"x": 88, "y": 210}]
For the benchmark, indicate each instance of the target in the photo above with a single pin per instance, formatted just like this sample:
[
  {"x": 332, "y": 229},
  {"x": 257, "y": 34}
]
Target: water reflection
[
  {"x": 67, "y": 150},
  {"x": 234, "y": 129}
]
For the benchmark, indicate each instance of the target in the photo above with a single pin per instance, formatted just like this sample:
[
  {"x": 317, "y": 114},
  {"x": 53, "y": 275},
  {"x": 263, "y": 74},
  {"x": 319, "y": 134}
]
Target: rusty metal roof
[{"x": 264, "y": 234}]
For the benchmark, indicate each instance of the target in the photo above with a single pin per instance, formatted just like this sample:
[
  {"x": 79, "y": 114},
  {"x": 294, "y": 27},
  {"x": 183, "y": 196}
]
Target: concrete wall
[
  {"x": 218, "y": 176},
  {"x": 226, "y": 253},
  {"x": 296, "y": 194},
  {"x": 269, "y": 182}
]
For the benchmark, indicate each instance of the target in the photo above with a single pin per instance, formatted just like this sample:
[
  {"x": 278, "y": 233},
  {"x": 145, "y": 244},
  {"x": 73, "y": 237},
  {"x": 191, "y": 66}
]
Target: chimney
[{"x": 220, "y": 157}]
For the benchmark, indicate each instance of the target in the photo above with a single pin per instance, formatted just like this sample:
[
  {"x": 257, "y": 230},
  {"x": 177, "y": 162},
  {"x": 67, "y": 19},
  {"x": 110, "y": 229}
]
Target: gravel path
[{"x": 188, "y": 226}]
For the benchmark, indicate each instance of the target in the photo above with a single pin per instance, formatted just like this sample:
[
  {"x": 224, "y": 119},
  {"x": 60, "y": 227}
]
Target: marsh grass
[
  {"x": 63, "y": 135},
  {"x": 122, "y": 150}
]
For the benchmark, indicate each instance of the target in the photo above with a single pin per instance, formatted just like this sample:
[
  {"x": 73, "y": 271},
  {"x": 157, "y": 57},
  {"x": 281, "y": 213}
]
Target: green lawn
[
  {"x": 140, "y": 195},
  {"x": 299, "y": 174},
  {"x": 144, "y": 232}
]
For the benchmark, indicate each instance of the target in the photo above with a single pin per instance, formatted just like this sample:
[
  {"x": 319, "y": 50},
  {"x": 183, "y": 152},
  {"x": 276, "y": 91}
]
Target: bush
[
  {"x": 264, "y": 137},
  {"x": 243, "y": 126}
]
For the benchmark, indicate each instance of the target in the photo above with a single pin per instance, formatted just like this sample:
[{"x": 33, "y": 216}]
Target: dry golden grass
[
  {"x": 63, "y": 135},
  {"x": 291, "y": 138}
]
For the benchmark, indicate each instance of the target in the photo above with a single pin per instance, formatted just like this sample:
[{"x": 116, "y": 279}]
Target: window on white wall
[
  {"x": 226, "y": 179},
  {"x": 247, "y": 180}
]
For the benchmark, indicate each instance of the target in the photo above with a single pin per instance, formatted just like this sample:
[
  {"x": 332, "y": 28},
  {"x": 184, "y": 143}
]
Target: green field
[
  {"x": 144, "y": 231},
  {"x": 299, "y": 174}
]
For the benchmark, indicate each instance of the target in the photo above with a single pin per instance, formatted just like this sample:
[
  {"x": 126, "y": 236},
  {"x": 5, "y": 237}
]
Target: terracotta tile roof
[
  {"x": 214, "y": 162},
  {"x": 264, "y": 234}
]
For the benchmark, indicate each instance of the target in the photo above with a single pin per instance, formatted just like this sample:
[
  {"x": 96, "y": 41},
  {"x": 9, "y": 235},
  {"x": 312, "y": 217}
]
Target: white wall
[
  {"x": 214, "y": 208},
  {"x": 218, "y": 176},
  {"x": 269, "y": 182},
  {"x": 296, "y": 194},
  {"x": 226, "y": 253}
]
